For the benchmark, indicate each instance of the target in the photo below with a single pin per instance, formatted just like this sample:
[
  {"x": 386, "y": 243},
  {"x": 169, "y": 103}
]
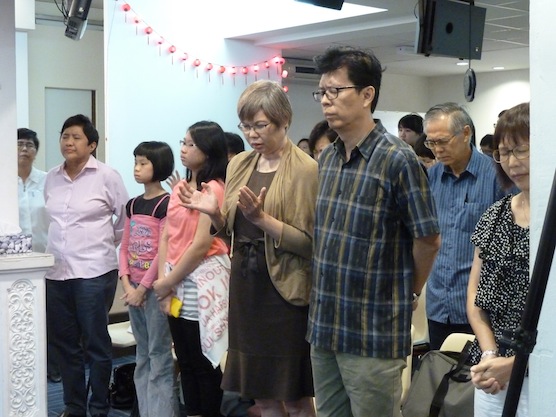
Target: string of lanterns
[{"x": 180, "y": 55}]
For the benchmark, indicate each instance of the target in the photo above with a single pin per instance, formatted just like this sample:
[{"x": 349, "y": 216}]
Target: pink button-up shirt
[{"x": 87, "y": 216}]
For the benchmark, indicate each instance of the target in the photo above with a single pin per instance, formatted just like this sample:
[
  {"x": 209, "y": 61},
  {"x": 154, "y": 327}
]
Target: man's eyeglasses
[
  {"x": 257, "y": 127},
  {"x": 432, "y": 144},
  {"x": 331, "y": 92},
  {"x": 29, "y": 145},
  {"x": 502, "y": 155}
]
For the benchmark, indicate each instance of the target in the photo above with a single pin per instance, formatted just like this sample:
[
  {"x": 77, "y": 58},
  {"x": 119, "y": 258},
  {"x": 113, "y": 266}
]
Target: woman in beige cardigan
[{"x": 274, "y": 186}]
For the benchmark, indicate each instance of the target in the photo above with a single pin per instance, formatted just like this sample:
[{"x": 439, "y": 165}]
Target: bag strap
[
  {"x": 165, "y": 197},
  {"x": 453, "y": 374}
]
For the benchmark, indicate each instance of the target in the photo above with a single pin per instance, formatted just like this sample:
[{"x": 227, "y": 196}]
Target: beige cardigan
[{"x": 291, "y": 199}]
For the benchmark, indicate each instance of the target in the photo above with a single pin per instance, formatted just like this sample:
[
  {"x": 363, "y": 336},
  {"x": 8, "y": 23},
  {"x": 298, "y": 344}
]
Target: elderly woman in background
[
  {"x": 499, "y": 278},
  {"x": 268, "y": 211}
]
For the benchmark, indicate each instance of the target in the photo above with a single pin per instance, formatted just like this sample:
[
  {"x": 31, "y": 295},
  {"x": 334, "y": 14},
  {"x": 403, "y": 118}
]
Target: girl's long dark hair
[{"x": 211, "y": 140}]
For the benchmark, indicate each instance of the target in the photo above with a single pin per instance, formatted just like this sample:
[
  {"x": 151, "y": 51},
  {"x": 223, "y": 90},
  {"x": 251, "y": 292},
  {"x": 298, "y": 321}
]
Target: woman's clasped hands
[{"x": 492, "y": 374}]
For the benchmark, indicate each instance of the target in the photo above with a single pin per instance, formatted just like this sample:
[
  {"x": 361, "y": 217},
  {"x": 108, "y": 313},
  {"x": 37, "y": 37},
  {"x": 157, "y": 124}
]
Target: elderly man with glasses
[
  {"x": 32, "y": 215},
  {"x": 464, "y": 185}
]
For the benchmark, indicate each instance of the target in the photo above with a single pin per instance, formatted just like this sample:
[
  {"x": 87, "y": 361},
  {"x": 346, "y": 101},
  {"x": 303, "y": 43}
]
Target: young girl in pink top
[
  {"x": 196, "y": 268},
  {"x": 146, "y": 216}
]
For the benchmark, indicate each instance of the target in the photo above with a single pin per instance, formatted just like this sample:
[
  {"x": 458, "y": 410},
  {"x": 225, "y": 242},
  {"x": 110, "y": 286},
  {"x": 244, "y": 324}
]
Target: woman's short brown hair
[{"x": 268, "y": 97}]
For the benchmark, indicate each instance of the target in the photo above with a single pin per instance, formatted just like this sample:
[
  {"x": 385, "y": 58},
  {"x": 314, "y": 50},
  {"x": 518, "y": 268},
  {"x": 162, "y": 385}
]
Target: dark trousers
[
  {"x": 199, "y": 380},
  {"x": 438, "y": 332},
  {"x": 77, "y": 315}
]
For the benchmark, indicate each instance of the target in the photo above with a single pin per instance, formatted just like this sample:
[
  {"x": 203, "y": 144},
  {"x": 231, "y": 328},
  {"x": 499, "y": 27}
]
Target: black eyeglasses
[
  {"x": 29, "y": 145},
  {"x": 331, "y": 92},
  {"x": 502, "y": 155}
]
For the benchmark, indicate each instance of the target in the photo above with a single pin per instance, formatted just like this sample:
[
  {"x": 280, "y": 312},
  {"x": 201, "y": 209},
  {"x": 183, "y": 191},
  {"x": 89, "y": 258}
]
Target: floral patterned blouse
[{"x": 504, "y": 277}]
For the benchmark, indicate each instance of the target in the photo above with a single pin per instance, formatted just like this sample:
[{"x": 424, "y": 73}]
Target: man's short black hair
[
  {"x": 83, "y": 121},
  {"x": 24, "y": 133}
]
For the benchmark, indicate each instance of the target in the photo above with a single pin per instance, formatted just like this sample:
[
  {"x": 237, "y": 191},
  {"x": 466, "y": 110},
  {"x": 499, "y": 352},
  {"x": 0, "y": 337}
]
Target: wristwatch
[{"x": 416, "y": 297}]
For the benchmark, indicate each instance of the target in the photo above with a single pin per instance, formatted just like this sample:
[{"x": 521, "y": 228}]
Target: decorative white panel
[
  {"x": 22, "y": 348},
  {"x": 23, "y": 386}
]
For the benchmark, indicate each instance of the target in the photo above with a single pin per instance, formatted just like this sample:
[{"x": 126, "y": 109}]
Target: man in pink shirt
[{"x": 85, "y": 201}]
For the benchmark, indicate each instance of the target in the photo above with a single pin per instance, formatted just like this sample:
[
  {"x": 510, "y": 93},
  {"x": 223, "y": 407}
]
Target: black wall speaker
[
  {"x": 452, "y": 28},
  {"x": 331, "y": 4}
]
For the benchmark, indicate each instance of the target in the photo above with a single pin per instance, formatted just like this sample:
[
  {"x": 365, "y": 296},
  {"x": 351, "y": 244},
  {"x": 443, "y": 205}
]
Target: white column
[
  {"x": 23, "y": 390},
  {"x": 542, "y": 362},
  {"x": 23, "y": 385},
  {"x": 8, "y": 124}
]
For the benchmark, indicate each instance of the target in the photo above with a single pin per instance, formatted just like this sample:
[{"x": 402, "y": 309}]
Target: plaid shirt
[{"x": 368, "y": 212}]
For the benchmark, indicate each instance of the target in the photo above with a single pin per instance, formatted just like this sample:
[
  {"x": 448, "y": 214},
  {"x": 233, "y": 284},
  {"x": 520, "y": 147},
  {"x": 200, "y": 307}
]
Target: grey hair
[{"x": 457, "y": 115}]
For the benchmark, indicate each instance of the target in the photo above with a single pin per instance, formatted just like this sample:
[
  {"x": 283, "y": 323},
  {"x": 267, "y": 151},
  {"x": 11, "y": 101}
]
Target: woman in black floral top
[{"x": 499, "y": 278}]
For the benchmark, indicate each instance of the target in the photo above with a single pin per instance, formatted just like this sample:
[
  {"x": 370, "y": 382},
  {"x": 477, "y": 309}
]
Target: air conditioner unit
[{"x": 301, "y": 70}]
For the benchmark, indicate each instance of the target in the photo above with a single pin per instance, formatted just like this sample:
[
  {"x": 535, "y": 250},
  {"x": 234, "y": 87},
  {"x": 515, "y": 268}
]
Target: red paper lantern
[
  {"x": 276, "y": 60},
  {"x": 233, "y": 70},
  {"x": 222, "y": 69},
  {"x": 209, "y": 67},
  {"x": 244, "y": 70},
  {"x": 285, "y": 88},
  {"x": 148, "y": 30},
  {"x": 266, "y": 64},
  {"x": 197, "y": 62},
  {"x": 126, "y": 7},
  {"x": 256, "y": 68},
  {"x": 184, "y": 57},
  {"x": 172, "y": 49},
  {"x": 284, "y": 74}
]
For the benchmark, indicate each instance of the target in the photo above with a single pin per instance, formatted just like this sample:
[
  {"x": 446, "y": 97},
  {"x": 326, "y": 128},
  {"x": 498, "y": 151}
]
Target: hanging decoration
[{"x": 142, "y": 27}]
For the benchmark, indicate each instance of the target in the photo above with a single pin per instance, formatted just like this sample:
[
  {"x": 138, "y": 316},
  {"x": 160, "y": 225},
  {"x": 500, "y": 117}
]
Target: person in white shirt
[{"x": 32, "y": 215}]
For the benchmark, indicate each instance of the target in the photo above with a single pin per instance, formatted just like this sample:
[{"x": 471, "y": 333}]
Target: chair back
[
  {"x": 456, "y": 341},
  {"x": 419, "y": 320}
]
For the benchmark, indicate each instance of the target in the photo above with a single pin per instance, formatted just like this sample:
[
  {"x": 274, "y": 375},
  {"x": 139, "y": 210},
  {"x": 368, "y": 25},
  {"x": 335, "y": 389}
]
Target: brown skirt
[{"x": 268, "y": 356}]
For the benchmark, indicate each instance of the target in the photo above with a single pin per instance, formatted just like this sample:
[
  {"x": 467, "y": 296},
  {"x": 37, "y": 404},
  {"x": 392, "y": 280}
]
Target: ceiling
[
  {"x": 391, "y": 35},
  {"x": 506, "y": 38}
]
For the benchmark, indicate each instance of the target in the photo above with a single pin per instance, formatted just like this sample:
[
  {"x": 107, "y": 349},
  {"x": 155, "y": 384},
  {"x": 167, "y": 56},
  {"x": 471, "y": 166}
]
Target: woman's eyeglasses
[{"x": 502, "y": 155}]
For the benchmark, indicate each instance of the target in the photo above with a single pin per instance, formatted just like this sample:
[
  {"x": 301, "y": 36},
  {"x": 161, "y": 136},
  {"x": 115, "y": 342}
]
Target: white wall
[
  {"x": 149, "y": 98},
  {"x": 393, "y": 97},
  {"x": 57, "y": 61},
  {"x": 495, "y": 92}
]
